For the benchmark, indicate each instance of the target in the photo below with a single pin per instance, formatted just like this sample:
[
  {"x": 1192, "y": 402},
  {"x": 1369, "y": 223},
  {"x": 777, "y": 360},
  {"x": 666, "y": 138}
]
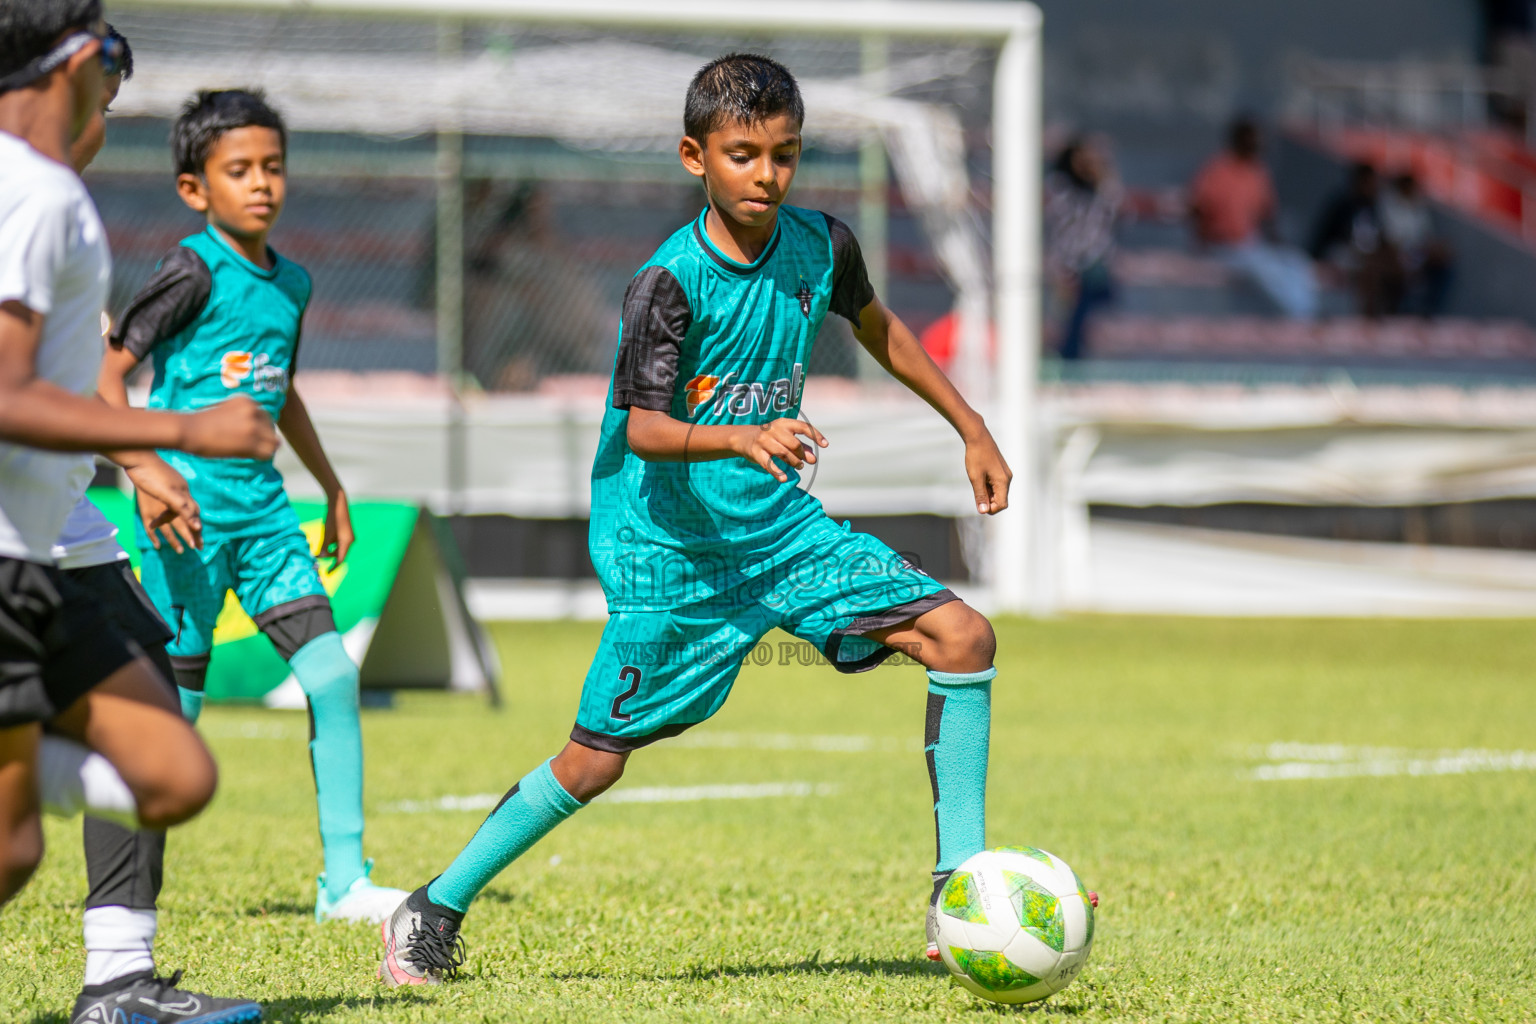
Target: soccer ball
[{"x": 1015, "y": 924}]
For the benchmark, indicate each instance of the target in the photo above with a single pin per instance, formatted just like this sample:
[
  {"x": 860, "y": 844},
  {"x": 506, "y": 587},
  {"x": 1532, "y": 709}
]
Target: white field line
[
  {"x": 825, "y": 744},
  {"x": 1336, "y": 761},
  {"x": 632, "y": 795}
]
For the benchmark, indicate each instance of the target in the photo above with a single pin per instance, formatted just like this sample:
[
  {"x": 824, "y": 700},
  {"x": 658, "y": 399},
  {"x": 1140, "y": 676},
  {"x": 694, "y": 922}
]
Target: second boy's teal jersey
[
  {"x": 216, "y": 325},
  {"x": 708, "y": 340}
]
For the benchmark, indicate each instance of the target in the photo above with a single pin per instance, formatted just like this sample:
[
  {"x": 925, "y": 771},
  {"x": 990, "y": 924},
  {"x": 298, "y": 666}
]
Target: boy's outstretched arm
[
  {"x": 299, "y": 429},
  {"x": 165, "y": 503},
  {"x": 898, "y": 351},
  {"x": 39, "y": 414}
]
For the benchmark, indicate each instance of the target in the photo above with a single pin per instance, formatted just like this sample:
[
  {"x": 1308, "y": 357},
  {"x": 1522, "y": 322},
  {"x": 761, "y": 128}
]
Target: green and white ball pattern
[{"x": 1015, "y": 924}]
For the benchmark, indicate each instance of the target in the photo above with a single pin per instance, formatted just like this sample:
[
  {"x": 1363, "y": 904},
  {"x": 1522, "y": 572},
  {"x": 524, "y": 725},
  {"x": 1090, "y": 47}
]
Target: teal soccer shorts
[
  {"x": 658, "y": 672},
  {"x": 272, "y": 573}
]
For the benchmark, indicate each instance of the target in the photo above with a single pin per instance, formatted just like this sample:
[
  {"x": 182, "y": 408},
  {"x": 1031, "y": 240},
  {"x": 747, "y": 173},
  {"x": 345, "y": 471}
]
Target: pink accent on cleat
[
  {"x": 1093, "y": 898},
  {"x": 390, "y": 971},
  {"x": 933, "y": 953}
]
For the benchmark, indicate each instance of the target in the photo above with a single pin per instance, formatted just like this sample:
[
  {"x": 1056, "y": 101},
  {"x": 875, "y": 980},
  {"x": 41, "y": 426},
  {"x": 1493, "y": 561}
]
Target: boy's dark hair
[
  {"x": 127, "y": 71},
  {"x": 209, "y": 114},
  {"x": 744, "y": 87},
  {"x": 30, "y": 28}
]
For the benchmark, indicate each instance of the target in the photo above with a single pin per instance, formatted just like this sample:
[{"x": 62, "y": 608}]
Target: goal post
[{"x": 1008, "y": 393}]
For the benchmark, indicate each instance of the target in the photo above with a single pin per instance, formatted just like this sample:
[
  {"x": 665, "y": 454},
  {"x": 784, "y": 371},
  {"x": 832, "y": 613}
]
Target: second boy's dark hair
[
  {"x": 209, "y": 114},
  {"x": 30, "y": 28},
  {"x": 744, "y": 87}
]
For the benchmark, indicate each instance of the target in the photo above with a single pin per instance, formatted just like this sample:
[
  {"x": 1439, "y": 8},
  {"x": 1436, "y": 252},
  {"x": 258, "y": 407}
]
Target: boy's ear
[
  {"x": 193, "y": 191},
  {"x": 83, "y": 73},
  {"x": 691, "y": 152}
]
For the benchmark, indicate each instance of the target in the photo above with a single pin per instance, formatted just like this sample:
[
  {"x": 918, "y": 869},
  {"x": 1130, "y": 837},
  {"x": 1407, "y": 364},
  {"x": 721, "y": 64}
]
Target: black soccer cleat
[
  {"x": 932, "y": 950},
  {"x": 145, "y": 999},
  {"x": 421, "y": 943}
]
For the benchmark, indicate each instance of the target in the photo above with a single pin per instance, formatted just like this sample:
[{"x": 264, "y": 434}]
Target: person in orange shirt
[{"x": 1232, "y": 206}]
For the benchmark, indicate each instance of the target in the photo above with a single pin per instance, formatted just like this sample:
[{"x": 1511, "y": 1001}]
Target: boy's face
[
  {"x": 94, "y": 136},
  {"x": 243, "y": 184},
  {"x": 747, "y": 169}
]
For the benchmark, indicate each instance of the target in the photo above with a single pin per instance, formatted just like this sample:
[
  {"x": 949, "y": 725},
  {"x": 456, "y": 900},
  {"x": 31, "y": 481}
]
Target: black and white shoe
[
  {"x": 145, "y": 999},
  {"x": 932, "y": 951},
  {"x": 421, "y": 943}
]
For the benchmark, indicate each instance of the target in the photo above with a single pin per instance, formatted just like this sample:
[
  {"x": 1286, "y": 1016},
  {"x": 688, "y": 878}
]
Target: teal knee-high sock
[
  {"x": 529, "y": 811},
  {"x": 190, "y": 674},
  {"x": 956, "y": 739},
  {"x": 329, "y": 679},
  {"x": 191, "y": 704}
]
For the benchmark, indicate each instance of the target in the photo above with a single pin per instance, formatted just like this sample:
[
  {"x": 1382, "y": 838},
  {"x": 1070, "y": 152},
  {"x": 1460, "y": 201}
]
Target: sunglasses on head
[{"x": 112, "y": 50}]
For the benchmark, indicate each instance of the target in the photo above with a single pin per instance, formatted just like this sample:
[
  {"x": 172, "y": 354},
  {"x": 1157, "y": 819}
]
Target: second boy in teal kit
[
  {"x": 700, "y": 535},
  {"x": 222, "y": 315}
]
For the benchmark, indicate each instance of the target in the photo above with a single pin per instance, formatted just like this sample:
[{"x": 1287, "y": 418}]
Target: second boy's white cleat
[{"x": 362, "y": 902}]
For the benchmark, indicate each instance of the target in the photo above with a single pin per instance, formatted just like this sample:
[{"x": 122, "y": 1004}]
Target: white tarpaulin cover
[{"x": 891, "y": 454}]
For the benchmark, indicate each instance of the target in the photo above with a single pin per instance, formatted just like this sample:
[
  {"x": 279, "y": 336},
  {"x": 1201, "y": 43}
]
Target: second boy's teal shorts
[
  {"x": 657, "y": 673},
  {"x": 273, "y": 574}
]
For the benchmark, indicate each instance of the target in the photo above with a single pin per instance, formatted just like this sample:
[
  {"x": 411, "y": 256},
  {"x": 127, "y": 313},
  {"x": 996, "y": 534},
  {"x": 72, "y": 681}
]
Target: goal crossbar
[{"x": 993, "y": 20}]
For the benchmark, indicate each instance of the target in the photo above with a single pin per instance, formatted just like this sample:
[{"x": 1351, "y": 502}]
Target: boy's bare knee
[
  {"x": 981, "y": 640},
  {"x": 181, "y": 798},
  {"x": 965, "y": 641}
]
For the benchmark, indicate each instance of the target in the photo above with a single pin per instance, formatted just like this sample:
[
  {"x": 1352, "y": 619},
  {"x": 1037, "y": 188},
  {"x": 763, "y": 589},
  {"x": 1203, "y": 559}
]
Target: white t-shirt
[
  {"x": 89, "y": 538},
  {"x": 55, "y": 261}
]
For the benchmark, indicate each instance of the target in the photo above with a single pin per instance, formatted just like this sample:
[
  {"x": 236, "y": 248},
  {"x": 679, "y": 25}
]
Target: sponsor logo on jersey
[
  {"x": 700, "y": 390},
  {"x": 720, "y": 394},
  {"x": 235, "y": 367}
]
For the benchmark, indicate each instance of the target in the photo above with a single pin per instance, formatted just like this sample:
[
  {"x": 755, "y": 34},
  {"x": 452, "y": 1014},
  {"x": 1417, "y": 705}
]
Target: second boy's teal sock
[
  {"x": 191, "y": 703},
  {"x": 956, "y": 739},
  {"x": 329, "y": 679},
  {"x": 529, "y": 811}
]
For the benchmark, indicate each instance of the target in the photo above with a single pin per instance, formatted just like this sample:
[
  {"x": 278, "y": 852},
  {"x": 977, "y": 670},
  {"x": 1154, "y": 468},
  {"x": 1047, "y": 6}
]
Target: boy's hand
[
  {"x": 337, "y": 540},
  {"x": 780, "y": 439},
  {"x": 166, "y": 505},
  {"x": 989, "y": 474},
  {"x": 236, "y": 429}
]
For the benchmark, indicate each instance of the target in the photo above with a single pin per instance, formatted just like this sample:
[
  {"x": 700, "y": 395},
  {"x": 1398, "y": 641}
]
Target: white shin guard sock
[
  {"x": 72, "y": 779},
  {"x": 118, "y": 942}
]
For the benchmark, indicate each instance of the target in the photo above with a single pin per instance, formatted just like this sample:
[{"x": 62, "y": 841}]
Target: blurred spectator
[
  {"x": 1232, "y": 203},
  {"x": 531, "y": 307},
  {"x": 1409, "y": 224},
  {"x": 1082, "y": 202},
  {"x": 1350, "y": 238}
]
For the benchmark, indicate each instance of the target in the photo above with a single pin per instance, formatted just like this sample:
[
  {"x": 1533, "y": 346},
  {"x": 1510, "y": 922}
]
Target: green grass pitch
[{"x": 1126, "y": 746}]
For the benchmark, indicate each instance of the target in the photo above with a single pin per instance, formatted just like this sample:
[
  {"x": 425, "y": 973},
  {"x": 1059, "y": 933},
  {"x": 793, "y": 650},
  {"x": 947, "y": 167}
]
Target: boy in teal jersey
[
  {"x": 222, "y": 316},
  {"x": 700, "y": 536}
]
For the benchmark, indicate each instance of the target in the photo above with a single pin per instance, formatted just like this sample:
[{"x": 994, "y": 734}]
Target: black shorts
[
  {"x": 55, "y": 643},
  {"x": 123, "y": 601}
]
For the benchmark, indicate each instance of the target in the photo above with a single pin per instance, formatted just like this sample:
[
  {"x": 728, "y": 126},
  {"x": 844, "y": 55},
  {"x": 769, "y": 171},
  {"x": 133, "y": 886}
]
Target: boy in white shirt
[{"x": 61, "y": 663}]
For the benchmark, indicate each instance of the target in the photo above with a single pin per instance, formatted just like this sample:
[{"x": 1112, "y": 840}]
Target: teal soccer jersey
[
  {"x": 215, "y": 325},
  {"x": 708, "y": 340},
  {"x": 700, "y": 561}
]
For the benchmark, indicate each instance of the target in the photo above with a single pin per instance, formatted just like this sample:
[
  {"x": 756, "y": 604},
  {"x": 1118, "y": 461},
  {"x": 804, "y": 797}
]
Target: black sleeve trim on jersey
[
  {"x": 851, "y": 290},
  {"x": 173, "y": 297},
  {"x": 656, "y": 318}
]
